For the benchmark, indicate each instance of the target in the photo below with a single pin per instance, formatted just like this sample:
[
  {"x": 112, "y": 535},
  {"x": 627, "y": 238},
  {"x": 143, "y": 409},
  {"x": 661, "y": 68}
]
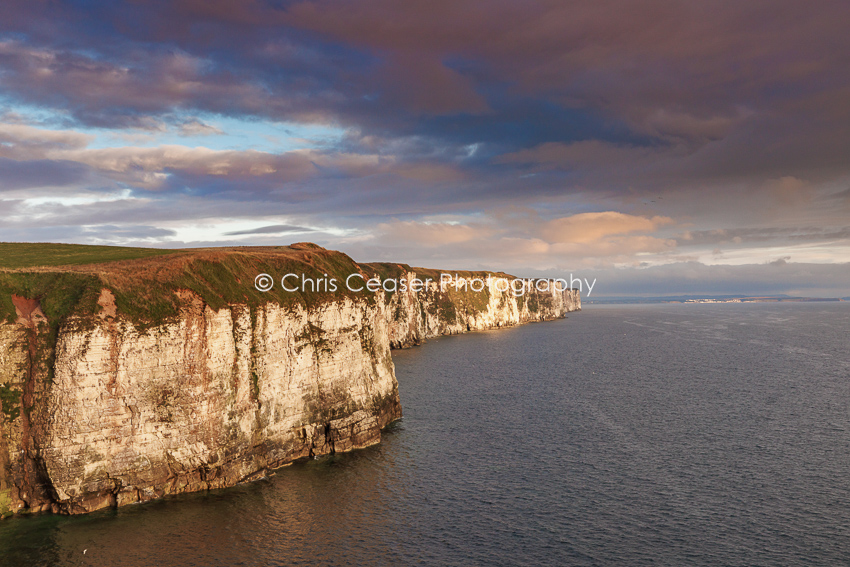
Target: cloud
[
  {"x": 694, "y": 278},
  {"x": 668, "y": 70},
  {"x": 426, "y": 86},
  {"x": 789, "y": 191},
  {"x": 600, "y": 120},
  {"x": 431, "y": 235},
  {"x": 780, "y": 261},
  {"x": 271, "y": 229},
  {"x": 131, "y": 93},
  {"x": 111, "y": 233},
  {"x": 24, "y": 141},
  {"x": 614, "y": 250},
  {"x": 762, "y": 235},
  {"x": 591, "y": 153},
  {"x": 682, "y": 126},
  {"x": 523, "y": 239},
  {"x": 41, "y": 173},
  {"x": 173, "y": 168},
  {"x": 196, "y": 127},
  {"x": 586, "y": 228}
]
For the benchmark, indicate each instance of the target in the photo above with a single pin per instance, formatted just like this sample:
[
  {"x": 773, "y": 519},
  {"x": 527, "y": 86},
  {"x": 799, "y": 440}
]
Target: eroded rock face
[
  {"x": 13, "y": 359},
  {"x": 117, "y": 415},
  {"x": 440, "y": 309},
  {"x": 217, "y": 398}
]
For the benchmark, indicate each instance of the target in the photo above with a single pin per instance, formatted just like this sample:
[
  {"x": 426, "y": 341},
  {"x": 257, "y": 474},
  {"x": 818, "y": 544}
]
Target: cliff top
[
  {"x": 28, "y": 256},
  {"x": 67, "y": 279},
  {"x": 46, "y": 256},
  {"x": 16, "y": 255}
]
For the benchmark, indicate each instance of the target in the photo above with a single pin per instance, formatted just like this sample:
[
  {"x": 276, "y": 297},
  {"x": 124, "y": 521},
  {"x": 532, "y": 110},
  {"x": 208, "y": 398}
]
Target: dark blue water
[{"x": 624, "y": 435}]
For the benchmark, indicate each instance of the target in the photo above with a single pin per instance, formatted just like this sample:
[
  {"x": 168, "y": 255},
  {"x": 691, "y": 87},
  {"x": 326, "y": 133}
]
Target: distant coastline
[{"x": 716, "y": 299}]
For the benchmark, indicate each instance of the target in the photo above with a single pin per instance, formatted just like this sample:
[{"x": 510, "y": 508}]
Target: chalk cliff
[
  {"x": 472, "y": 302},
  {"x": 131, "y": 381}
]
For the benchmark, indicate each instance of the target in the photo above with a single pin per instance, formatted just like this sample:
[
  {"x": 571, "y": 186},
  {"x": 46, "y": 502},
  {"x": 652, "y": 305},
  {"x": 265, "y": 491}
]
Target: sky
[{"x": 660, "y": 147}]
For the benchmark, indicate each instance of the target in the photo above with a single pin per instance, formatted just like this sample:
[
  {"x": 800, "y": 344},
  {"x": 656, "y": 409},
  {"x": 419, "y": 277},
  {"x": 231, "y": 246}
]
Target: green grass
[
  {"x": 61, "y": 293},
  {"x": 15, "y": 255},
  {"x": 230, "y": 280},
  {"x": 10, "y": 400},
  {"x": 146, "y": 295}
]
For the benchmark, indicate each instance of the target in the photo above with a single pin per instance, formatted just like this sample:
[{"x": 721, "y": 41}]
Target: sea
[{"x": 663, "y": 434}]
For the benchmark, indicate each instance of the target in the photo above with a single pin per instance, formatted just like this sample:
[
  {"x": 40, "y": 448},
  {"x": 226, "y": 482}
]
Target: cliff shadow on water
[{"x": 151, "y": 373}]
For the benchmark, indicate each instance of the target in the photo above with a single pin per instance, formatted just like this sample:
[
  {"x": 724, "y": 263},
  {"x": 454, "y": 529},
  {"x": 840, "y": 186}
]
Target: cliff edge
[{"x": 168, "y": 372}]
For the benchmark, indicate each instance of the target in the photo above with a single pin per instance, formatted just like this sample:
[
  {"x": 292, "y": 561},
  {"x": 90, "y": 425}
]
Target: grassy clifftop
[
  {"x": 67, "y": 279},
  {"x": 16, "y": 255}
]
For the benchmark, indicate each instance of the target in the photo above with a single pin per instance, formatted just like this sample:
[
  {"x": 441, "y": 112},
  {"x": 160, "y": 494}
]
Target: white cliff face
[
  {"x": 13, "y": 359},
  {"x": 215, "y": 397},
  {"x": 452, "y": 308}
]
